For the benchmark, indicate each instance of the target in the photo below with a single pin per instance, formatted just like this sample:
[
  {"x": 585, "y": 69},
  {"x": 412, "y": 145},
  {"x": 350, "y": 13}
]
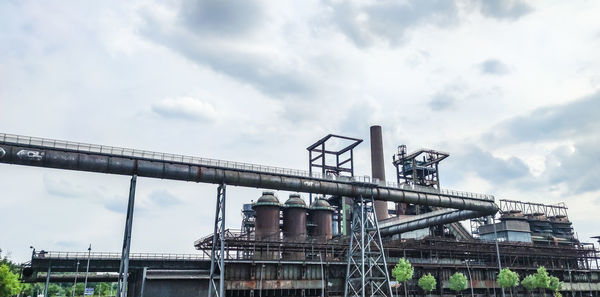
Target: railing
[
  {"x": 116, "y": 256},
  {"x": 133, "y": 153}
]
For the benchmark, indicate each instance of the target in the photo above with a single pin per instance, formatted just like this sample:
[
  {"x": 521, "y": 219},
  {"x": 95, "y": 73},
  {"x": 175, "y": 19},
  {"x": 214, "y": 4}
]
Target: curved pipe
[
  {"x": 432, "y": 219},
  {"x": 110, "y": 164}
]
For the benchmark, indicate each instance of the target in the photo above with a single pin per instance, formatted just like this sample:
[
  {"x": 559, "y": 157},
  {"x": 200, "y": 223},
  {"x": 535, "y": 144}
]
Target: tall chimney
[{"x": 378, "y": 168}]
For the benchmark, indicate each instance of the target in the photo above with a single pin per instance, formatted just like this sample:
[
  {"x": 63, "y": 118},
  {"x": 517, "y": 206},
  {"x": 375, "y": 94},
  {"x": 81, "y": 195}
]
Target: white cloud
[
  {"x": 185, "y": 108},
  {"x": 262, "y": 87}
]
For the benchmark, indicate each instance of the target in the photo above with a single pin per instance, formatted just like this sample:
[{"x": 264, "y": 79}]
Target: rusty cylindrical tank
[
  {"x": 294, "y": 218},
  {"x": 321, "y": 216},
  {"x": 294, "y": 225},
  {"x": 267, "y": 217}
]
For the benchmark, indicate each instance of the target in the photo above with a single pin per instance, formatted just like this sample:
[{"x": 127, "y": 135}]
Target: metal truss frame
[{"x": 366, "y": 272}]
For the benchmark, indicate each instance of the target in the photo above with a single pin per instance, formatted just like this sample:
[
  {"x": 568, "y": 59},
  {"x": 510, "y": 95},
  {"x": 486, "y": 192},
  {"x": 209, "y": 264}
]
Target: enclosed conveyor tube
[
  {"x": 434, "y": 218},
  {"x": 96, "y": 159}
]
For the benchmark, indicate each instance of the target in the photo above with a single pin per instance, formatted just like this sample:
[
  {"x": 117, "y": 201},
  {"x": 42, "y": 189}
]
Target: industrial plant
[{"x": 337, "y": 234}]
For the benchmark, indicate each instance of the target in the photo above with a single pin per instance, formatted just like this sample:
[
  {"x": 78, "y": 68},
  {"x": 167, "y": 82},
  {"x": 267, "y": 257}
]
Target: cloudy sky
[{"x": 510, "y": 88}]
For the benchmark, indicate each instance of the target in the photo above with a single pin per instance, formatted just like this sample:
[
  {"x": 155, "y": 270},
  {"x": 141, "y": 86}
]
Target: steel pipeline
[
  {"x": 431, "y": 219},
  {"x": 49, "y": 157}
]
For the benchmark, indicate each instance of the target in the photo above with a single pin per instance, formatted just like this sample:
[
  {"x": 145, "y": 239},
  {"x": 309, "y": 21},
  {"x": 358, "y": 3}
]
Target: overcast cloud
[{"x": 509, "y": 88}]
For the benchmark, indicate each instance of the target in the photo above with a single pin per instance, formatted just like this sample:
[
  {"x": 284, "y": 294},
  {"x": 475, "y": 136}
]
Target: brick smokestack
[{"x": 378, "y": 168}]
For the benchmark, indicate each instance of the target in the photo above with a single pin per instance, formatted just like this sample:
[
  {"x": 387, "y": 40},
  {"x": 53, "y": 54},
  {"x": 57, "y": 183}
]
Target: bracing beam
[
  {"x": 217, "y": 255},
  {"x": 124, "y": 265}
]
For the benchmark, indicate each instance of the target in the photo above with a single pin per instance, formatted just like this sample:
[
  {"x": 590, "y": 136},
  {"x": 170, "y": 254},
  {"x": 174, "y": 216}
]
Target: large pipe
[
  {"x": 50, "y": 157},
  {"x": 434, "y": 218},
  {"x": 378, "y": 168}
]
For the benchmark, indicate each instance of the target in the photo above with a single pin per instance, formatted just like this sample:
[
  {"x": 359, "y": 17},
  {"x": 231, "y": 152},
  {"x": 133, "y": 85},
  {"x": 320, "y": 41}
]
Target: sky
[{"x": 511, "y": 89}]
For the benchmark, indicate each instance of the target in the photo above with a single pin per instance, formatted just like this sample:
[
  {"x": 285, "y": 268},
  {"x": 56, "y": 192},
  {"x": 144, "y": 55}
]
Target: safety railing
[
  {"x": 60, "y": 255},
  {"x": 133, "y": 153}
]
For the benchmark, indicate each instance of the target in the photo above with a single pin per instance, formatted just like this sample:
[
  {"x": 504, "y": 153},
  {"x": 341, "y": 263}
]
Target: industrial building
[{"x": 338, "y": 234}]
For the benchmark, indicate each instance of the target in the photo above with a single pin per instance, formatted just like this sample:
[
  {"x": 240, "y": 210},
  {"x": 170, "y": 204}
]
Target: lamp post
[
  {"x": 497, "y": 252},
  {"x": 470, "y": 279},
  {"x": 87, "y": 269}
]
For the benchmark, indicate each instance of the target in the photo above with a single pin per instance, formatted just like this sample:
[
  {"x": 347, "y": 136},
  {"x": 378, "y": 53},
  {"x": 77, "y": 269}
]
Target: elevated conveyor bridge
[{"x": 50, "y": 153}]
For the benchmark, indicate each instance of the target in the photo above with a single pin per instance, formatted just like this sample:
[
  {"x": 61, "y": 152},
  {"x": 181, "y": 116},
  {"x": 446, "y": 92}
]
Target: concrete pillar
[{"x": 378, "y": 168}]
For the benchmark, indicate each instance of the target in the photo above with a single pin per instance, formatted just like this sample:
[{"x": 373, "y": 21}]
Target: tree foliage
[
  {"x": 555, "y": 284},
  {"x": 32, "y": 289},
  {"x": 542, "y": 279},
  {"x": 458, "y": 282},
  {"x": 9, "y": 282},
  {"x": 79, "y": 289},
  {"x": 103, "y": 289},
  {"x": 529, "y": 282},
  {"x": 403, "y": 271},
  {"x": 427, "y": 282},
  {"x": 55, "y": 290},
  {"x": 508, "y": 278}
]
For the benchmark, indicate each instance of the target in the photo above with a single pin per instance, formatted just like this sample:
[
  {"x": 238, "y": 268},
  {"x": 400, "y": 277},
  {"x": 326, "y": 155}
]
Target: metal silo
[
  {"x": 267, "y": 217},
  {"x": 294, "y": 225},
  {"x": 294, "y": 219},
  {"x": 321, "y": 217}
]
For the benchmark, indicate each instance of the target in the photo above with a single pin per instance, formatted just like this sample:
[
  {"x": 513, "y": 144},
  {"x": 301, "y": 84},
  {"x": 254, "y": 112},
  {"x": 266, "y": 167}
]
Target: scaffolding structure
[
  {"x": 420, "y": 167},
  {"x": 439, "y": 256},
  {"x": 367, "y": 271}
]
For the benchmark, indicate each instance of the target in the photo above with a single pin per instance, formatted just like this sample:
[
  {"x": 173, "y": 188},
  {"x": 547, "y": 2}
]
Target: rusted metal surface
[
  {"x": 273, "y": 284},
  {"x": 321, "y": 216},
  {"x": 267, "y": 216},
  {"x": 294, "y": 219},
  {"x": 294, "y": 224}
]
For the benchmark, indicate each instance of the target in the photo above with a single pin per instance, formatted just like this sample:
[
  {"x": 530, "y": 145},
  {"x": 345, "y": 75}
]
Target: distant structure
[{"x": 334, "y": 245}]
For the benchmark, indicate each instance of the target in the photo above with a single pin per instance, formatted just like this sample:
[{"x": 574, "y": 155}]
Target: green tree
[
  {"x": 9, "y": 282},
  {"x": 555, "y": 284},
  {"x": 55, "y": 290},
  {"x": 508, "y": 279},
  {"x": 102, "y": 289},
  {"x": 427, "y": 282},
  {"x": 403, "y": 272},
  {"x": 542, "y": 279},
  {"x": 14, "y": 268},
  {"x": 529, "y": 283},
  {"x": 458, "y": 282},
  {"x": 78, "y": 289},
  {"x": 32, "y": 289}
]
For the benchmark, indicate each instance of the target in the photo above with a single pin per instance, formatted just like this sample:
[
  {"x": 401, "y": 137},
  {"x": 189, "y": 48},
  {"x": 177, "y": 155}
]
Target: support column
[
  {"x": 124, "y": 266},
  {"x": 217, "y": 259},
  {"x": 366, "y": 272},
  {"x": 143, "y": 281},
  {"x": 47, "y": 279}
]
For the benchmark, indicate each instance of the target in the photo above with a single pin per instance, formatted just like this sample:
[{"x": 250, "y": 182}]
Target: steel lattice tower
[{"x": 366, "y": 273}]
